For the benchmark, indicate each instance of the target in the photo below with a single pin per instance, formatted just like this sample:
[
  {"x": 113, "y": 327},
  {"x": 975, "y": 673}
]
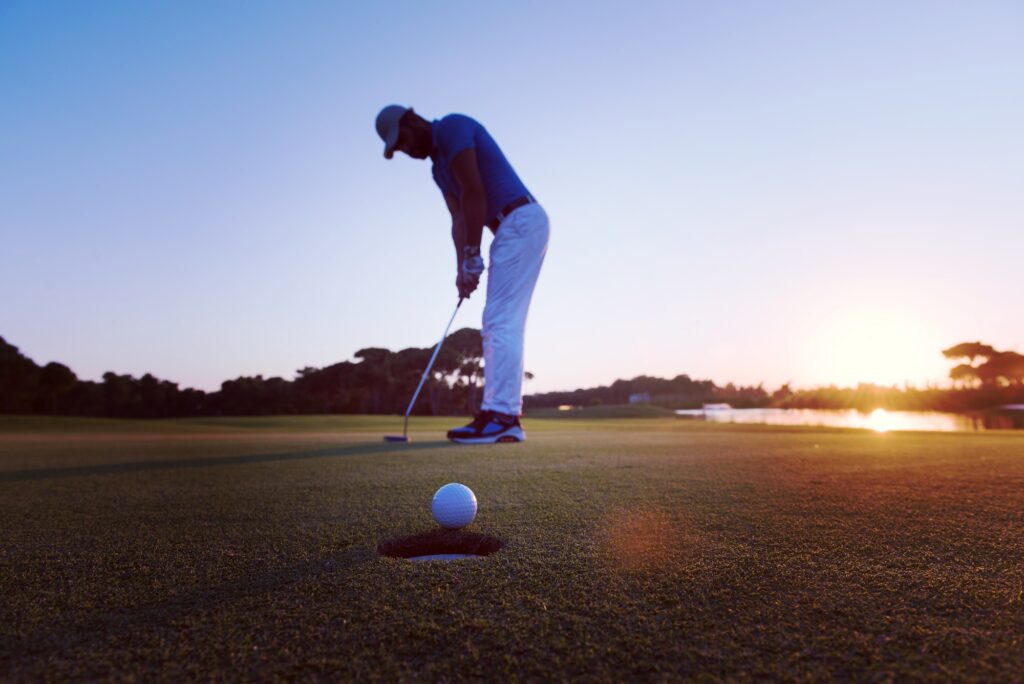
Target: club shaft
[{"x": 430, "y": 365}]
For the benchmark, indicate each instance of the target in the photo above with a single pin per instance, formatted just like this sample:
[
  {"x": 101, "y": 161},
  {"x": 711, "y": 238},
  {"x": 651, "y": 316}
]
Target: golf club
[{"x": 404, "y": 437}]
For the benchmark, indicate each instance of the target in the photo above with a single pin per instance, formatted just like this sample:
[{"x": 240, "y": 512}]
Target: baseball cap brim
[
  {"x": 390, "y": 143},
  {"x": 388, "y": 125}
]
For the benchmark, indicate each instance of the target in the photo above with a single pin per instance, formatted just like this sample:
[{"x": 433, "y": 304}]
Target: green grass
[{"x": 635, "y": 549}]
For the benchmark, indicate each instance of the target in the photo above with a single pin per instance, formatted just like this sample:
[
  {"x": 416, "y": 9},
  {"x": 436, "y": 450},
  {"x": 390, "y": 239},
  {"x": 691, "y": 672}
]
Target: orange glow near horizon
[{"x": 872, "y": 345}]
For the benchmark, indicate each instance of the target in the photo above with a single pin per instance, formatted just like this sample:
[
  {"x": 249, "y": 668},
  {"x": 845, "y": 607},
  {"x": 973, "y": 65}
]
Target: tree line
[
  {"x": 677, "y": 393},
  {"x": 381, "y": 381}
]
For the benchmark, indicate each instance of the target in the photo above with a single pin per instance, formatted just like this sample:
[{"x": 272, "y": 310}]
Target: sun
[
  {"x": 871, "y": 344},
  {"x": 879, "y": 420}
]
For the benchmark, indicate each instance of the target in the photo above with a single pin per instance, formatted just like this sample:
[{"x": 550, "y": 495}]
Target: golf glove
[{"x": 469, "y": 273}]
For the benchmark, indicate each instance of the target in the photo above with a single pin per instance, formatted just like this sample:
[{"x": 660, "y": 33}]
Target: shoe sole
[{"x": 505, "y": 438}]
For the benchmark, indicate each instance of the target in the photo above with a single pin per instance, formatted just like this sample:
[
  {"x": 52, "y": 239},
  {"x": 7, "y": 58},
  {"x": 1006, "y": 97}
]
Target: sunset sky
[{"x": 748, "y": 192}]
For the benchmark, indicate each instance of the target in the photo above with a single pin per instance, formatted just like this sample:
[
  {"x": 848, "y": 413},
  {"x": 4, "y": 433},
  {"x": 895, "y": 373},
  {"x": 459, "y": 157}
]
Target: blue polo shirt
[{"x": 457, "y": 132}]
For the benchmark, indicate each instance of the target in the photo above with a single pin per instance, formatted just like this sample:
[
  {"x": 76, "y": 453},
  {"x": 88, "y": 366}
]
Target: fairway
[{"x": 633, "y": 549}]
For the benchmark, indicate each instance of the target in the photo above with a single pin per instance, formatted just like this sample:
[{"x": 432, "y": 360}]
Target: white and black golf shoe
[{"x": 489, "y": 427}]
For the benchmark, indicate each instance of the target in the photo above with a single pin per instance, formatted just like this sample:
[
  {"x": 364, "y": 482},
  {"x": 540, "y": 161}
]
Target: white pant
[{"x": 516, "y": 255}]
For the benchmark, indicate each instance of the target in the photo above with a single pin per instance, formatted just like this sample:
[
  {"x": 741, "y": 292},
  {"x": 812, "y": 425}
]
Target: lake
[{"x": 879, "y": 420}]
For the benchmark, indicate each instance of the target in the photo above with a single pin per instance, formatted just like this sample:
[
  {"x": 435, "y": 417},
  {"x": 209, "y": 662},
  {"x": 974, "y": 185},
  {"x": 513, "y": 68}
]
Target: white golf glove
[{"x": 469, "y": 273}]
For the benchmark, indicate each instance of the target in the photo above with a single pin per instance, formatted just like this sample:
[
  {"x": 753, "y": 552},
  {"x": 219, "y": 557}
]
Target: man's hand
[{"x": 470, "y": 271}]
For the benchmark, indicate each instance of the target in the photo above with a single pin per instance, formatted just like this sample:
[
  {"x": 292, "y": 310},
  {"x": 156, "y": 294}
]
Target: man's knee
[
  {"x": 502, "y": 339},
  {"x": 493, "y": 324},
  {"x": 500, "y": 322}
]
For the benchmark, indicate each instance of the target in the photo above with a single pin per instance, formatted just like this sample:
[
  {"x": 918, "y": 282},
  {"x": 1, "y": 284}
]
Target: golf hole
[{"x": 440, "y": 545}]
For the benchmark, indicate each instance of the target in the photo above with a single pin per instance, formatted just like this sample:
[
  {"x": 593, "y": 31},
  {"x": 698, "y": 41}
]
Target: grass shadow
[
  {"x": 440, "y": 542},
  {"x": 181, "y": 464}
]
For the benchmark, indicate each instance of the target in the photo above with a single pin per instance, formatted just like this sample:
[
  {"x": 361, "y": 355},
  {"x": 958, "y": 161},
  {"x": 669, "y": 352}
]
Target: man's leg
[{"x": 516, "y": 256}]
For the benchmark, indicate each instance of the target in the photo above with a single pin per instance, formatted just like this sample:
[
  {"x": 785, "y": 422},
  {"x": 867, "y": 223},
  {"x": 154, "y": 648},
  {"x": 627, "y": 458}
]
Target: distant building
[{"x": 640, "y": 398}]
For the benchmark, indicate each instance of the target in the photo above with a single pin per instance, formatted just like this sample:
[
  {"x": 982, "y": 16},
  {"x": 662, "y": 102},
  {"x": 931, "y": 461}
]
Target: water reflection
[{"x": 879, "y": 420}]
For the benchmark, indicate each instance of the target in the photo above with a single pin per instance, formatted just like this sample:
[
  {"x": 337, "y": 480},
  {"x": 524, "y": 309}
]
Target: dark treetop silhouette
[{"x": 381, "y": 381}]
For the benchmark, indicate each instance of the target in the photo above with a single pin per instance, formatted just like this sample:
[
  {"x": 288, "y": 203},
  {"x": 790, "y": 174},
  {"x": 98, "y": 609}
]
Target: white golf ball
[{"x": 454, "y": 506}]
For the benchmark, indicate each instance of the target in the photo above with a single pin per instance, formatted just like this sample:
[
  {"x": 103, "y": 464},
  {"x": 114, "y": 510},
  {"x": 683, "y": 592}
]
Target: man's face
[{"x": 414, "y": 141}]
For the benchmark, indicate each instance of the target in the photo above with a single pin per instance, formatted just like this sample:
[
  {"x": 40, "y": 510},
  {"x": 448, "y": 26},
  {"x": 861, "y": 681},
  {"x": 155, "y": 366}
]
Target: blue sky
[{"x": 749, "y": 192}]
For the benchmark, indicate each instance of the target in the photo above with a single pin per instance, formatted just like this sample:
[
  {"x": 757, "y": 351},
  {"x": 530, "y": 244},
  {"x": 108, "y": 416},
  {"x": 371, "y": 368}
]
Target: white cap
[{"x": 387, "y": 127}]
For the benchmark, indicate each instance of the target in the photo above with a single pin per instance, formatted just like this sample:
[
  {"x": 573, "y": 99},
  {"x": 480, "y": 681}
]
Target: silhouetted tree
[
  {"x": 996, "y": 367},
  {"x": 964, "y": 375},
  {"x": 19, "y": 379},
  {"x": 373, "y": 377},
  {"x": 328, "y": 390},
  {"x": 782, "y": 394},
  {"x": 969, "y": 350},
  {"x": 56, "y": 383},
  {"x": 1002, "y": 368},
  {"x": 467, "y": 346}
]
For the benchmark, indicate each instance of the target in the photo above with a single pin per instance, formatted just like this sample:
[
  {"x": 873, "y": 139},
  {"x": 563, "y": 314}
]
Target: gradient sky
[{"x": 748, "y": 191}]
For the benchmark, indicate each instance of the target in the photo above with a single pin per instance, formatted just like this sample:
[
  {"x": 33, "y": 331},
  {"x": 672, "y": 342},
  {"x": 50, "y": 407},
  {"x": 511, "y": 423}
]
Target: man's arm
[
  {"x": 458, "y": 228},
  {"x": 473, "y": 201}
]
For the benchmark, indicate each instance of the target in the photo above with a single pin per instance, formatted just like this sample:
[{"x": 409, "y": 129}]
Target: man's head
[{"x": 403, "y": 130}]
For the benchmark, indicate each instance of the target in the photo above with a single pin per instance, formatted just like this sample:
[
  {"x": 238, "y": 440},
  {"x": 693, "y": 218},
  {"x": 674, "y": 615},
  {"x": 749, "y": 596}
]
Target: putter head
[{"x": 396, "y": 438}]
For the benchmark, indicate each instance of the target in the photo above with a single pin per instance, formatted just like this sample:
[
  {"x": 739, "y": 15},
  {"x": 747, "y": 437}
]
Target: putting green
[{"x": 633, "y": 548}]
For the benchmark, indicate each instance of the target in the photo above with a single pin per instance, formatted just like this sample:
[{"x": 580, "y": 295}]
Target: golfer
[{"x": 481, "y": 188}]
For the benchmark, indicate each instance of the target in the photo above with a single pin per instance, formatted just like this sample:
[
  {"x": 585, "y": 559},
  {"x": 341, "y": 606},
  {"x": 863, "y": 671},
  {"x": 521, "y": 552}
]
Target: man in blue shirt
[{"x": 481, "y": 189}]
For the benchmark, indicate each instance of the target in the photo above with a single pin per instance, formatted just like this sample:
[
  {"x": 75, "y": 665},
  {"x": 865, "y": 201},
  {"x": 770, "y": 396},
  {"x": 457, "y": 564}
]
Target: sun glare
[
  {"x": 873, "y": 346},
  {"x": 879, "y": 420}
]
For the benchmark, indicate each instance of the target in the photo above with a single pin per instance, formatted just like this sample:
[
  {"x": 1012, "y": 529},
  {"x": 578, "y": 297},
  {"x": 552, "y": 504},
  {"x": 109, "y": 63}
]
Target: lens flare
[{"x": 638, "y": 539}]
